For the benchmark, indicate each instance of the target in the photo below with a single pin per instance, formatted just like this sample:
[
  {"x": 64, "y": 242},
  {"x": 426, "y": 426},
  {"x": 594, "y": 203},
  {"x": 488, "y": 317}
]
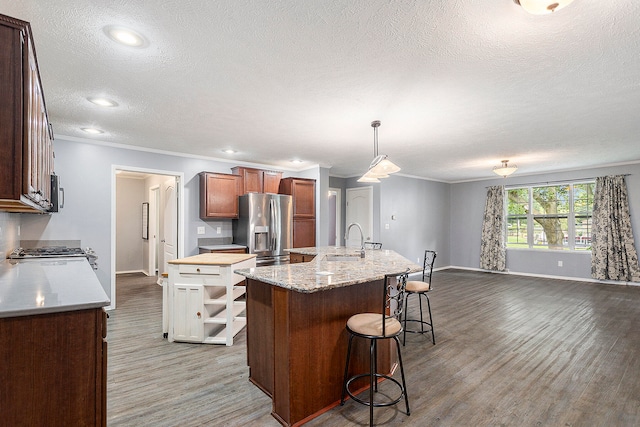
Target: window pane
[
  {"x": 583, "y": 198},
  {"x": 583, "y": 233},
  {"x": 518, "y": 201},
  {"x": 517, "y": 232},
  {"x": 551, "y": 200},
  {"x": 551, "y": 232}
]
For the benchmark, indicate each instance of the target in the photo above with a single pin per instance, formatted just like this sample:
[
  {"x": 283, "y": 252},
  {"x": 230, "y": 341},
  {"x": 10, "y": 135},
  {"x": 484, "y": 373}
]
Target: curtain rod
[{"x": 564, "y": 181}]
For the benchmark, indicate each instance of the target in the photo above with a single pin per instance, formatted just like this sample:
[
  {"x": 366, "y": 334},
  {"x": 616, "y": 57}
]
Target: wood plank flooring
[{"x": 511, "y": 351}]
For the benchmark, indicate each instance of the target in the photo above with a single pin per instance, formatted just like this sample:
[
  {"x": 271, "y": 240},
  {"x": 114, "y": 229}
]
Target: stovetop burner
[{"x": 47, "y": 251}]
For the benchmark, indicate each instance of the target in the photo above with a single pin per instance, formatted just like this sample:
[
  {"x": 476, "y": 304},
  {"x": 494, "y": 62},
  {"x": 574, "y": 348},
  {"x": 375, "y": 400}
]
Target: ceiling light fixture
[
  {"x": 103, "y": 102},
  {"x": 297, "y": 161},
  {"x": 125, "y": 36},
  {"x": 542, "y": 7},
  {"x": 92, "y": 131},
  {"x": 505, "y": 170},
  {"x": 229, "y": 151},
  {"x": 380, "y": 166}
]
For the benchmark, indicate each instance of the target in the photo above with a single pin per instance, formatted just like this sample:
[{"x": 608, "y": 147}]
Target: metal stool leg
[{"x": 346, "y": 371}]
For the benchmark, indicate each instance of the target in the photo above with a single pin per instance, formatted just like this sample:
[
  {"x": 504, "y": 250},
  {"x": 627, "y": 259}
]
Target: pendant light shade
[
  {"x": 505, "y": 170},
  {"x": 381, "y": 166},
  {"x": 542, "y": 7}
]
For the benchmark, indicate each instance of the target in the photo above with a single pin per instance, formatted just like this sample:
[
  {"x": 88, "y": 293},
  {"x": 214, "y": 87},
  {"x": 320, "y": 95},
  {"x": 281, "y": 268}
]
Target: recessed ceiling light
[
  {"x": 92, "y": 131},
  {"x": 229, "y": 151},
  {"x": 125, "y": 36},
  {"x": 103, "y": 102}
]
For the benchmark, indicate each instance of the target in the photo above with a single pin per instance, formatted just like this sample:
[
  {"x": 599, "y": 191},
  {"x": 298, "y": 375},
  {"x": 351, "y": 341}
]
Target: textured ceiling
[{"x": 458, "y": 85}]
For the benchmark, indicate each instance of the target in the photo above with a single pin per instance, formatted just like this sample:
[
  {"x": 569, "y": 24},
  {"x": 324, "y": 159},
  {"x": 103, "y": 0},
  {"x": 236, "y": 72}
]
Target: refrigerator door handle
[{"x": 272, "y": 226}]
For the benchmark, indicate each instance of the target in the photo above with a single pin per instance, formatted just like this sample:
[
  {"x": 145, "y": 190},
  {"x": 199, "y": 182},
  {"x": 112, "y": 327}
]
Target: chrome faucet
[{"x": 346, "y": 237}]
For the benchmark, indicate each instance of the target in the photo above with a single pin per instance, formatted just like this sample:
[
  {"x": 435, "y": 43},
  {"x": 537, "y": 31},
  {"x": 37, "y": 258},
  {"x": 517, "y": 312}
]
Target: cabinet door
[
  {"x": 251, "y": 179},
  {"x": 271, "y": 181},
  {"x": 304, "y": 198},
  {"x": 304, "y": 233},
  {"x": 219, "y": 195},
  {"x": 187, "y": 313}
]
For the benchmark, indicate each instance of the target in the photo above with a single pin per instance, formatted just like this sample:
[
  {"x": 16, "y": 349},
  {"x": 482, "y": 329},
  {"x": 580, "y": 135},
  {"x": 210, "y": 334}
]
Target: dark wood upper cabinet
[
  {"x": 26, "y": 138},
  {"x": 304, "y": 209},
  {"x": 304, "y": 196},
  {"x": 258, "y": 180},
  {"x": 219, "y": 195}
]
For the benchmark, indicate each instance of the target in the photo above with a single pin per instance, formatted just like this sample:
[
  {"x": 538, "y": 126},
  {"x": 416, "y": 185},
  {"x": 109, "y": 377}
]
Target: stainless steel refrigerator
[{"x": 265, "y": 226}]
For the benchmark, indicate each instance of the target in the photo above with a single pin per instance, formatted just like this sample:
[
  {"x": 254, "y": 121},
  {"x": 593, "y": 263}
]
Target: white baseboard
[
  {"x": 544, "y": 276},
  {"x": 131, "y": 271}
]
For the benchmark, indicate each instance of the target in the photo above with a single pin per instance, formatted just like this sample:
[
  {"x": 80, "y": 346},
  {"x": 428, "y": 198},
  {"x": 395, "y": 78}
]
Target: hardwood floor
[{"x": 511, "y": 351}]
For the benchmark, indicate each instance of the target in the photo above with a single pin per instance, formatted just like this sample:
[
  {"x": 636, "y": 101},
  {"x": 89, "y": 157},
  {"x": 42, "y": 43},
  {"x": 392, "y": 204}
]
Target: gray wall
[
  {"x": 421, "y": 209},
  {"x": 467, "y": 209}
]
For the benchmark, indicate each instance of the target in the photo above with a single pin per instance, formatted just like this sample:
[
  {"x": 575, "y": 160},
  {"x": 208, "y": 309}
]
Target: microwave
[{"x": 57, "y": 194}]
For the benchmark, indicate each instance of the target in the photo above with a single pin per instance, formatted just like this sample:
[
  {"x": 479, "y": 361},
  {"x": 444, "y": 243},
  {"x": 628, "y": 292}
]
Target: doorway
[
  {"x": 359, "y": 209},
  {"x": 335, "y": 216},
  {"x": 161, "y": 201}
]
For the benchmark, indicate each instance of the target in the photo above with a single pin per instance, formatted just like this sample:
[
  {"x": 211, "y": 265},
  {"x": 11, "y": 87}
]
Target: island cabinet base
[{"x": 297, "y": 345}]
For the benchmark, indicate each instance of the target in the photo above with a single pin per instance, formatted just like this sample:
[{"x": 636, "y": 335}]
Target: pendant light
[
  {"x": 381, "y": 166},
  {"x": 505, "y": 170},
  {"x": 542, "y": 7}
]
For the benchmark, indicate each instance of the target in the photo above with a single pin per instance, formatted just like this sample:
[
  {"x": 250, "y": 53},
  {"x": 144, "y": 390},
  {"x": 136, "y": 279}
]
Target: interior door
[
  {"x": 169, "y": 222},
  {"x": 154, "y": 234},
  {"x": 360, "y": 210}
]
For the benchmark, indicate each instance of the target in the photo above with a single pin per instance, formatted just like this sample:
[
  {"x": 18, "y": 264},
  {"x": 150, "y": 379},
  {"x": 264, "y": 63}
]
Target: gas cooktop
[{"x": 47, "y": 252}]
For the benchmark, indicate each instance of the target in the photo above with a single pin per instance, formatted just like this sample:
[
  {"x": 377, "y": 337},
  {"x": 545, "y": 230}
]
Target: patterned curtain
[
  {"x": 492, "y": 249},
  {"x": 613, "y": 252}
]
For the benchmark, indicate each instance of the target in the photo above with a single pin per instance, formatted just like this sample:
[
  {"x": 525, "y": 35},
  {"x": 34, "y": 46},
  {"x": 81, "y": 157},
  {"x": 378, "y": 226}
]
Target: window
[{"x": 550, "y": 217}]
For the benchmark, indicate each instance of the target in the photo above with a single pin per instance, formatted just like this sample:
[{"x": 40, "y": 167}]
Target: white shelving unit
[{"x": 206, "y": 299}]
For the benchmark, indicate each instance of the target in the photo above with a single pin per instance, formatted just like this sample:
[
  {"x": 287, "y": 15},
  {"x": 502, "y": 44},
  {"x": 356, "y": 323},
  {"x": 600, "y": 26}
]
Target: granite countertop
[
  {"x": 48, "y": 285},
  {"x": 213, "y": 259},
  {"x": 321, "y": 274}
]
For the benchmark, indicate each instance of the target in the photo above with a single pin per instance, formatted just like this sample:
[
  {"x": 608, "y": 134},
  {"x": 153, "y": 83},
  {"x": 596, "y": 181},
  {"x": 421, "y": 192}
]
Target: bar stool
[
  {"x": 375, "y": 327},
  {"x": 420, "y": 288}
]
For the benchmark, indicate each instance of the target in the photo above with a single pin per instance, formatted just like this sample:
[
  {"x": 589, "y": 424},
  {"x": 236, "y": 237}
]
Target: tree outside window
[{"x": 556, "y": 217}]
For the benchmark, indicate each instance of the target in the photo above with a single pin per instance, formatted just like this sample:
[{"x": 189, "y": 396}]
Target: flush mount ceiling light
[
  {"x": 103, "y": 102},
  {"x": 381, "y": 166},
  {"x": 92, "y": 131},
  {"x": 542, "y": 7},
  {"x": 125, "y": 36},
  {"x": 297, "y": 161},
  {"x": 229, "y": 151},
  {"x": 505, "y": 170}
]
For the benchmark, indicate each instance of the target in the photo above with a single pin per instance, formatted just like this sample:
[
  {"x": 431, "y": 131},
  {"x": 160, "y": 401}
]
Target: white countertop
[
  {"x": 48, "y": 285},
  {"x": 321, "y": 274}
]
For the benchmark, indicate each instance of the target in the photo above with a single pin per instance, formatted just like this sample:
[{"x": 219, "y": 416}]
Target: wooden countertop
[
  {"x": 213, "y": 259},
  {"x": 321, "y": 274}
]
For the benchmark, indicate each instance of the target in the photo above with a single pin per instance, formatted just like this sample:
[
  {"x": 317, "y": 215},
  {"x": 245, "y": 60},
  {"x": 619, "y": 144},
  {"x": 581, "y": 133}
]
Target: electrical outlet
[
  {"x": 386, "y": 226},
  {"x": 559, "y": 263},
  {"x": 219, "y": 230},
  {"x": 200, "y": 230}
]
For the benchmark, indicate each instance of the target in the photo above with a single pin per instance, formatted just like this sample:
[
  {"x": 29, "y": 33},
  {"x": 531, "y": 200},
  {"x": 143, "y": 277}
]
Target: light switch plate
[{"x": 200, "y": 230}]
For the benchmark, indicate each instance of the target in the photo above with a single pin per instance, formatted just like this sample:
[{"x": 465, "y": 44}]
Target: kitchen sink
[{"x": 354, "y": 257}]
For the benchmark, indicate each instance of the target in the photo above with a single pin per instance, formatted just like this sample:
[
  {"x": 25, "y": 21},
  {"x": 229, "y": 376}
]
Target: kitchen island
[
  {"x": 296, "y": 317},
  {"x": 52, "y": 343},
  {"x": 205, "y": 299}
]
